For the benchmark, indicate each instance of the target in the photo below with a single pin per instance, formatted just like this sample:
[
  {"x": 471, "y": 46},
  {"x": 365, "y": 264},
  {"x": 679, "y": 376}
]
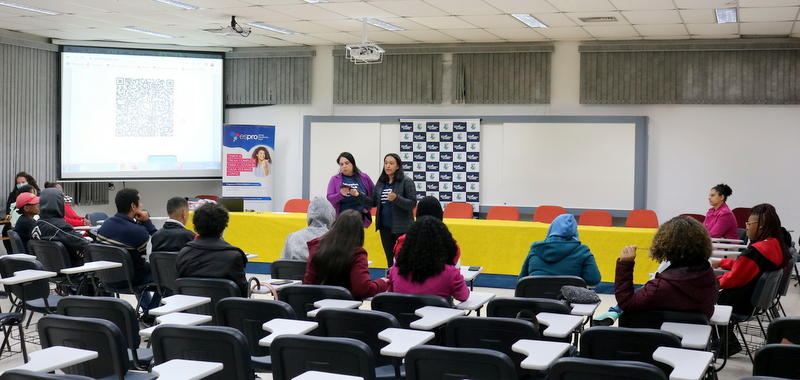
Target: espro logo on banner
[{"x": 241, "y": 136}]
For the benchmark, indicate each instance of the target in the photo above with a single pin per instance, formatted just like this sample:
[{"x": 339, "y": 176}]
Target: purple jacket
[{"x": 335, "y": 195}]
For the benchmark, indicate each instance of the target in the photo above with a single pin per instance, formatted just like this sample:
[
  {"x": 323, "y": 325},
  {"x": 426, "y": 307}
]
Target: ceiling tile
[
  {"x": 464, "y": 7},
  {"x": 766, "y": 3},
  {"x": 304, "y": 27},
  {"x": 713, "y": 29},
  {"x": 405, "y": 23},
  {"x": 574, "y": 33},
  {"x": 576, "y": 15},
  {"x": 493, "y": 21},
  {"x": 662, "y": 30},
  {"x": 209, "y": 4},
  {"x": 341, "y": 38},
  {"x": 766, "y": 28},
  {"x": 768, "y": 14},
  {"x": 639, "y": 5},
  {"x": 306, "y": 12},
  {"x": 652, "y": 17},
  {"x": 357, "y": 10},
  {"x": 553, "y": 20},
  {"x": 411, "y": 8},
  {"x": 304, "y": 39},
  {"x": 442, "y": 23},
  {"x": 517, "y": 34},
  {"x": 427, "y": 36},
  {"x": 612, "y": 31},
  {"x": 583, "y": 5},
  {"x": 101, "y": 6},
  {"x": 470, "y": 35},
  {"x": 347, "y": 25},
  {"x": 388, "y": 37},
  {"x": 517, "y": 6},
  {"x": 697, "y": 16},
  {"x": 705, "y": 4},
  {"x": 251, "y": 14}
]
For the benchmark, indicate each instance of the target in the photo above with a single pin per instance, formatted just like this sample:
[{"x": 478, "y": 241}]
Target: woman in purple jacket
[{"x": 343, "y": 188}]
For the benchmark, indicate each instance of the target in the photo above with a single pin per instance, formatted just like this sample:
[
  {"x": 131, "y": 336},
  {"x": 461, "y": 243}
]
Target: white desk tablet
[
  {"x": 27, "y": 275},
  {"x": 692, "y": 335},
  {"x": 725, "y": 254},
  {"x": 280, "y": 326},
  {"x": 250, "y": 256},
  {"x": 541, "y": 353},
  {"x": 179, "y": 302},
  {"x": 686, "y": 364},
  {"x": 732, "y": 241},
  {"x": 584, "y": 309},
  {"x": 402, "y": 340},
  {"x": 559, "y": 325},
  {"x": 181, "y": 369},
  {"x": 333, "y": 304},
  {"x": 736, "y": 247},
  {"x": 722, "y": 315},
  {"x": 476, "y": 300},
  {"x": 433, "y": 316},
  {"x": 56, "y": 357},
  {"x": 180, "y": 319},
  {"x": 317, "y": 375},
  {"x": 91, "y": 267},
  {"x": 470, "y": 275}
]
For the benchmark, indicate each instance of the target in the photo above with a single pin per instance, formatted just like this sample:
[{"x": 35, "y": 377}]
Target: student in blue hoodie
[{"x": 561, "y": 254}]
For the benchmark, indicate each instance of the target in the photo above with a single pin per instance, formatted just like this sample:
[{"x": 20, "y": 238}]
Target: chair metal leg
[{"x": 744, "y": 341}]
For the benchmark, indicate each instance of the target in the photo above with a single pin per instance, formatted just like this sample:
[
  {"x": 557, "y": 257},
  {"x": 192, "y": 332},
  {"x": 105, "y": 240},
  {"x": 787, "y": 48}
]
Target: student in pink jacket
[
  {"x": 424, "y": 264},
  {"x": 720, "y": 221}
]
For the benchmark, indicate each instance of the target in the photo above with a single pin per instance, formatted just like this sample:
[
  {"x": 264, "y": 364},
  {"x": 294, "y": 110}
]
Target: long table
[{"x": 498, "y": 246}]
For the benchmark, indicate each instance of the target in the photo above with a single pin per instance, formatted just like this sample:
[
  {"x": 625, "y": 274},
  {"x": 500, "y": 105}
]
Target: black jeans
[{"x": 388, "y": 239}]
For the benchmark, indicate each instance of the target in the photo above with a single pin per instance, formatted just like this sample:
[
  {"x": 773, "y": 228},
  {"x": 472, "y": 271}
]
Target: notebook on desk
[{"x": 232, "y": 204}]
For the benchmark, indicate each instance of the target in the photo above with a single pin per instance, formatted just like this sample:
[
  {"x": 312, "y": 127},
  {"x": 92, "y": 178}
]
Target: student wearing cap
[
  {"x": 15, "y": 214},
  {"x": 27, "y": 204}
]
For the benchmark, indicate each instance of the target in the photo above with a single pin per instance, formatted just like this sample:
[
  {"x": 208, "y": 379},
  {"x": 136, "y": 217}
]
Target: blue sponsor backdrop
[{"x": 443, "y": 158}]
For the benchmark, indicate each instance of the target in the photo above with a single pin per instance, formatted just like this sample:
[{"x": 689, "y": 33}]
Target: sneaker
[{"x": 606, "y": 319}]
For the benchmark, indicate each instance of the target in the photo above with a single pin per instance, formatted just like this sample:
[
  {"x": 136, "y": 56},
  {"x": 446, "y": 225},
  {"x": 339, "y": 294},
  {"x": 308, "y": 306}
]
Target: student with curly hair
[
  {"x": 338, "y": 258},
  {"x": 688, "y": 284},
  {"x": 424, "y": 263},
  {"x": 720, "y": 221},
  {"x": 209, "y": 256}
]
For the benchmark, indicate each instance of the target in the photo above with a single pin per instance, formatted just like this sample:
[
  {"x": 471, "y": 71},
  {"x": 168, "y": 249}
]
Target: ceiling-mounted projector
[{"x": 364, "y": 53}]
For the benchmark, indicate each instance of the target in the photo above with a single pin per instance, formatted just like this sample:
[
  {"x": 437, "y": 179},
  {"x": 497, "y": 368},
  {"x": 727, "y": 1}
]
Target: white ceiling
[{"x": 425, "y": 21}]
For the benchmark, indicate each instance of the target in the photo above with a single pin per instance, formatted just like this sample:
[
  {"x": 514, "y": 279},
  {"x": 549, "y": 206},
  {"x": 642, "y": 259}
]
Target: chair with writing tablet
[
  {"x": 545, "y": 286},
  {"x": 779, "y": 360},
  {"x": 162, "y": 263},
  {"x": 214, "y": 288},
  {"x": 784, "y": 328},
  {"x": 434, "y": 362},
  {"x": 287, "y": 269},
  {"x": 17, "y": 246},
  {"x": 248, "y": 316},
  {"x": 762, "y": 300},
  {"x": 220, "y": 344},
  {"x": 597, "y": 218},
  {"x": 510, "y": 307},
  {"x": 117, "y": 280},
  {"x": 622, "y": 343},
  {"x": 96, "y": 217},
  {"x": 503, "y": 213},
  {"x": 54, "y": 257},
  {"x": 595, "y": 369},
  {"x": 117, "y": 311},
  {"x": 293, "y": 355},
  {"x": 21, "y": 374},
  {"x": 546, "y": 213},
  {"x": 302, "y": 297},
  {"x": 34, "y": 296}
]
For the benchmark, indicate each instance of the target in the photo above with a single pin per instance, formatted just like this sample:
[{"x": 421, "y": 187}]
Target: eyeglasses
[{"x": 747, "y": 224}]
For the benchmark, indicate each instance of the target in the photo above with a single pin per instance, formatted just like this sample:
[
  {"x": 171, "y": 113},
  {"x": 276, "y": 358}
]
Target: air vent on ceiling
[{"x": 598, "y": 19}]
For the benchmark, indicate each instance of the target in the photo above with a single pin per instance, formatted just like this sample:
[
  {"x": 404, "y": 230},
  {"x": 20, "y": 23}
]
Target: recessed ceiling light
[
  {"x": 598, "y": 19},
  {"x": 178, "y": 4},
  {"x": 726, "y": 15},
  {"x": 384, "y": 25},
  {"x": 272, "y": 28},
  {"x": 29, "y": 8},
  {"x": 529, "y": 20},
  {"x": 145, "y": 31}
]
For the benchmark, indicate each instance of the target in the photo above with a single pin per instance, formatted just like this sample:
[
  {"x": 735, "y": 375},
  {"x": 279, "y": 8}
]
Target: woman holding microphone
[
  {"x": 395, "y": 197},
  {"x": 343, "y": 188}
]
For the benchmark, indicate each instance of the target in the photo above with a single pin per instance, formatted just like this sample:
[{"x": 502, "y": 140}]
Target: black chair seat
[
  {"x": 262, "y": 363},
  {"x": 38, "y": 305}
]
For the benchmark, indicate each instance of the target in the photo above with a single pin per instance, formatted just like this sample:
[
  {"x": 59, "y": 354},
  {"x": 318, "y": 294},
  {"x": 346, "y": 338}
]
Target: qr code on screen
[{"x": 145, "y": 107}]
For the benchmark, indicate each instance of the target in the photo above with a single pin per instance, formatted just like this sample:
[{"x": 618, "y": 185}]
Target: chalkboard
[{"x": 578, "y": 162}]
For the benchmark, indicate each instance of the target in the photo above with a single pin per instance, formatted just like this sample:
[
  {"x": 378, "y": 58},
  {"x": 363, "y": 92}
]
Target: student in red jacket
[{"x": 338, "y": 258}]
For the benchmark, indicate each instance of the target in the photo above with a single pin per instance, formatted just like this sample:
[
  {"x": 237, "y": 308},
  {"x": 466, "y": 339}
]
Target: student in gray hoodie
[
  {"x": 52, "y": 226},
  {"x": 320, "y": 218}
]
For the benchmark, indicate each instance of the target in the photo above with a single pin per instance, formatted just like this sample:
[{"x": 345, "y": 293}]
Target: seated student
[
  {"x": 28, "y": 205},
  {"x": 561, "y": 254},
  {"x": 688, "y": 284},
  {"x": 208, "y": 255},
  {"x": 70, "y": 215},
  {"x": 424, "y": 265},
  {"x": 15, "y": 213},
  {"x": 52, "y": 226},
  {"x": 173, "y": 236},
  {"x": 338, "y": 258},
  {"x": 320, "y": 217},
  {"x": 768, "y": 251},
  {"x": 428, "y": 206}
]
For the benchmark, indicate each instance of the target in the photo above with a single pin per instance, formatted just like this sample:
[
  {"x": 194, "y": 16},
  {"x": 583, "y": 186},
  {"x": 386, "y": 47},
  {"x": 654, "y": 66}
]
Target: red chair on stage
[
  {"x": 642, "y": 219},
  {"x": 503, "y": 213},
  {"x": 458, "y": 210},
  {"x": 296, "y": 205},
  {"x": 595, "y": 218},
  {"x": 546, "y": 214}
]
